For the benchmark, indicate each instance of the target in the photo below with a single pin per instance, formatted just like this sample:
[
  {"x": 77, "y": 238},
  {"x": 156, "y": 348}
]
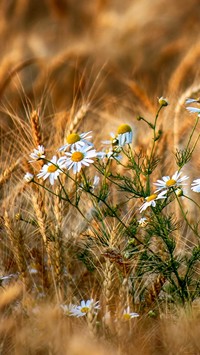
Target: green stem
[
  {"x": 191, "y": 135},
  {"x": 184, "y": 216}
]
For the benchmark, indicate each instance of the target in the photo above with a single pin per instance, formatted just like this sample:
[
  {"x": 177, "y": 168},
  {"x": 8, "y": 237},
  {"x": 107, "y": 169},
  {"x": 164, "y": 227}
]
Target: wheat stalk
[
  {"x": 18, "y": 246},
  {"x": 5, "y": 176},
  {"x": 59, "y": 245},
  {"x": 77, "y": 119},
  {"x": 36, "y": 129},
  {"x": 38, "y": 205}
]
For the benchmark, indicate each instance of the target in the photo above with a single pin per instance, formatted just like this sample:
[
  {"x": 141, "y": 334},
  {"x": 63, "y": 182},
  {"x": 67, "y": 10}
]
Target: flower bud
[{"x": 162, "y": 101}]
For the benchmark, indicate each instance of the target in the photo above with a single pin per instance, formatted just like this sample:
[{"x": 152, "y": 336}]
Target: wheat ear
[
  {"x": 154, "y": 290},
  {"x": 77, "y": 119},
  {"x": 4, "y": 177},
  {"x": 18, "y": 246},
  {"x": 39, "y": 209},
  {"x": 36, "y": 130}
]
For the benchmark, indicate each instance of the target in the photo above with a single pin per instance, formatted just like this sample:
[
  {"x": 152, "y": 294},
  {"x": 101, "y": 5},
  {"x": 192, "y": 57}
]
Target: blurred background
[
  {"x": 58, "y": 40},
  {"x": 118, "y": 56}
]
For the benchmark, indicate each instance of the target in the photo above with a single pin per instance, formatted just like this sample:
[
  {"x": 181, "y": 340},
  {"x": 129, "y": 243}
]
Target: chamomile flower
[
  {"x": 28, "y": 177},
  {"x": 127, "y": 315},
  {"x": 37, "y": 153},
  {"x": 195, "y": 186},
  {"x": 124, "y": 135},
  {"x": 68, "y": 309},
  {"x": 85, "y": 307},
  {"x": 76, "y": 141},
  {"x": 151, "y": 200},
  {"x": 78, "y": 158},
  {"x": 168, "y": 182},
  {"x": 50, "y": 170}
]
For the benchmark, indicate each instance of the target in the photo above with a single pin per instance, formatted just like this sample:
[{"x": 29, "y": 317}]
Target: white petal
[{"x": 193, "y": 109}]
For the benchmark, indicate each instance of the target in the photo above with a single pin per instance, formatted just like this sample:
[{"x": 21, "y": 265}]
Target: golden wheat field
[{"x": 99, "y": 177}]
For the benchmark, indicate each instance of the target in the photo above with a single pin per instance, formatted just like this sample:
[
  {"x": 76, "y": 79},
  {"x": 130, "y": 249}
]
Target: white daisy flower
[
  {"x": 50, "y": 170},
  {"x": 162, "y": 101},
  {"x": 37, "y": 153},
  {"x": 168, "y": 182},
  {"x": 68, "y": 309},
  {"x": 76, "y": 141},
  {"x": 127, "y": 315},
  {"x": 143, "y": 222},
  {"x": 124, "y": 135},
  {"x": 190, "y": 101},
  {"x": 76, "y": 158},
  {"x": 28, "y": 177},
  {"x": 151, "y": 200},
  {"x": 193, "y": 110},
  {"x": 195, "y": 186},
  {"x": 85, "y": 307}
]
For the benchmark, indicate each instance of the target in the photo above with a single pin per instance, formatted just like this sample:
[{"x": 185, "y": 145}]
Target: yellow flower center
[
  {"x": 52, "y": 168},
  {"x": 84, "y": 309},
  {"x": 73, "y": 138},
  {"x": 126, "y": 316},
  {"x": 170, "y": 182},
  {"x": 77, "y": 156},
  {"x": 151, "y": 197},
  {"x": 124, "y": 128}
]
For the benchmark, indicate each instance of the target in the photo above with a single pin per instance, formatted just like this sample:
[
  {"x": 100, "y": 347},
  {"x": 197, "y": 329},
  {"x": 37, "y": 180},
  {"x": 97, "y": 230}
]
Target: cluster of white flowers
[
  {"x": 168, "y": 183},
  {"x": 82, "y": 310},
  {"x": 81, "y": 153},
  {"x": 77, "y": 152}
]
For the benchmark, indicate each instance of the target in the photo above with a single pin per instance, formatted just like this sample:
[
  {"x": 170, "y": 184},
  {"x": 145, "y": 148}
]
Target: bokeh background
[
  {"x": 116, "y": 56},
  {"x": 131, "y": 39}
]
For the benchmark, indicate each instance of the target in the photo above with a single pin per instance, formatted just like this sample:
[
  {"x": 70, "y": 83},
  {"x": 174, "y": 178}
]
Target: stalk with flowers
[
  {"x": 155, "y": 247},
  {"x": 108, "y": 218}
]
